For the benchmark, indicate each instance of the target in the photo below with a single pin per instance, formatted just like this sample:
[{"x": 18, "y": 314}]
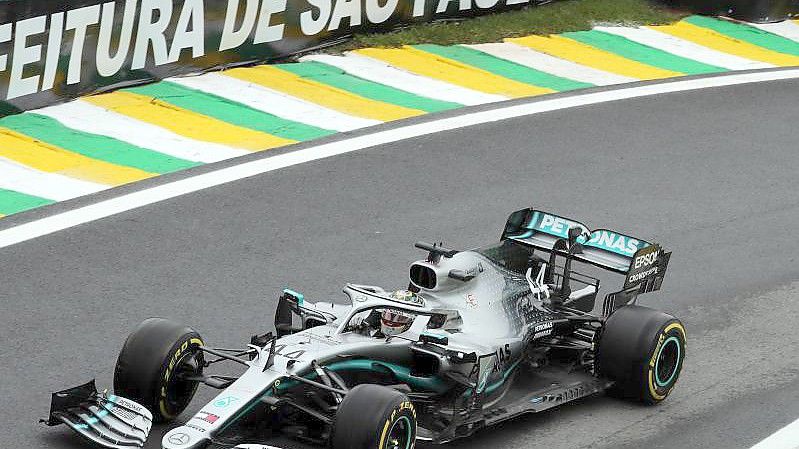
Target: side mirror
[
  {"x": 576, "y": 248},
  {"x": 291, "y": 305},
  {"x": 288, "y": 306}
]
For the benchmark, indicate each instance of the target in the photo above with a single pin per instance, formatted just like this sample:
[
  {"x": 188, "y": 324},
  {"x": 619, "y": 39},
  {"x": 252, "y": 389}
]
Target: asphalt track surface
[{"x": 710, "y": 174}]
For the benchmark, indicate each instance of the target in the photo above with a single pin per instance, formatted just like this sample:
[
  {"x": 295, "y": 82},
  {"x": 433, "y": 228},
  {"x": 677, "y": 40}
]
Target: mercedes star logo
[{"x": 179, "y": 439}]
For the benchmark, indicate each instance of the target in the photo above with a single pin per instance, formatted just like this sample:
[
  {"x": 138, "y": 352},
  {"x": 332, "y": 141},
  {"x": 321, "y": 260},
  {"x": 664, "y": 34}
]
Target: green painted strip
[
  {"x": 501, "y": 67},
  {"x": 335, "y": 77},
  {"x": 12, "y": 202},
  {"x": 230, "y": 111},
  {"x": 748, "y": 34},
  {"x": 95, "y": 146},
  {"x": 642, "y": 53}
]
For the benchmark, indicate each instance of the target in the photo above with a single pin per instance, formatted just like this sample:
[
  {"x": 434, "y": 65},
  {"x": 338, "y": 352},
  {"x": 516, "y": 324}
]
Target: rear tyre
[
  {"x": 151, "y": 367},
  {"x": 642, "y": 350},
  {"x": 374, "y": 417}
]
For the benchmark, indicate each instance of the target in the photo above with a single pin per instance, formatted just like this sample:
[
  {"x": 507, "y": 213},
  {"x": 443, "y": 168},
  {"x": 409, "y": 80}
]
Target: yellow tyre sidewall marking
[
  {"x": 168, "y": 373},
  {"x": 651, "y": 368},
  {"x": 405, "y": 405},
  {"x": 385, "y": 432}
]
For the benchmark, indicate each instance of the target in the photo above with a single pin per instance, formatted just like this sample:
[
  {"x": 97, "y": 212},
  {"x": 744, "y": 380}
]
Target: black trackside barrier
[
  {"x": 55, "y": 50},
  {"x": 747, "y": 10}
]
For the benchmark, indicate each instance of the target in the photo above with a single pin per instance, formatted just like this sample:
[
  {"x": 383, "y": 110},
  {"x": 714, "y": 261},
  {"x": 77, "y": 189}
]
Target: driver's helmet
[{"x": 395, "y": 321}]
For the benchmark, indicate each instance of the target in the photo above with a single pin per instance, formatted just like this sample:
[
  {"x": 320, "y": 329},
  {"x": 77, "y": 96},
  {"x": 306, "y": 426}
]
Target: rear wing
[{"x": 643, "y": 263}]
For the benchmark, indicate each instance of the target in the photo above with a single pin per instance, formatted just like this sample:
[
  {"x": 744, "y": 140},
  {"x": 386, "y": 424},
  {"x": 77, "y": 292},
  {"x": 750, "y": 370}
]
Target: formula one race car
[{"x": 479, "y": 336}]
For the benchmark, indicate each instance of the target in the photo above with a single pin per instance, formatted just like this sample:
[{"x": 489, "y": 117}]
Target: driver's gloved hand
[{"x": 373, "y": 320}]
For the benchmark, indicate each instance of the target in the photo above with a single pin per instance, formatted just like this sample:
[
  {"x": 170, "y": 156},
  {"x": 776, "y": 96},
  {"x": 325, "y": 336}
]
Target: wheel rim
[
  {"x": 180, "y": 391},
  {"x": 668, "y": 362},
  {"x": 399, "y": 437}
]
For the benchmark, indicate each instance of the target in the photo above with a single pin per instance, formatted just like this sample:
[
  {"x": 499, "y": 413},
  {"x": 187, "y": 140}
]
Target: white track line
[
  {"x": 785, "y": 438},
  {"x": 130, "y": 201},
  {"x": 23, "y": 179},
  {"x": 686, "y": 49},
  {"x": 274, "y": 102},
  {"x": 786, "y": 29},
  {"x": 380, "y": 72},
  {"x": 550, "y": 64},
  {"x": 89, "y": 118}
]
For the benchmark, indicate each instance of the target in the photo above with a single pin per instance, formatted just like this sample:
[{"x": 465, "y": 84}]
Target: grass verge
[{"x": 558, "y": 17}]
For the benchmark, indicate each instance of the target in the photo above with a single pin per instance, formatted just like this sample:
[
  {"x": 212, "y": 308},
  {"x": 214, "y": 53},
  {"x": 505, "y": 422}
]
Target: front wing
[{"x": 105, "y": 420}]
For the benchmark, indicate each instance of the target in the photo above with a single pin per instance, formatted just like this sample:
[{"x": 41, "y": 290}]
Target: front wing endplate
[{"x": 103, "y": 419}]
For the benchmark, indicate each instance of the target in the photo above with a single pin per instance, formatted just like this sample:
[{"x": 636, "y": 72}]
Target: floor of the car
[{"x": 531, "y": 392}]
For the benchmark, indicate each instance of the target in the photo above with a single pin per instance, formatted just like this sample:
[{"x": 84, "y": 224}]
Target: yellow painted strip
[
  {"x": 48, "y": 158},
  {"x": 322, "y": 94},
  {"x": 184, "y": 122},
  {"x": 451, "y": 71},
  {"x": 571, "y": 50},
  {"x": 1, "y": 215},
  {"x": 726, "y": 44}
]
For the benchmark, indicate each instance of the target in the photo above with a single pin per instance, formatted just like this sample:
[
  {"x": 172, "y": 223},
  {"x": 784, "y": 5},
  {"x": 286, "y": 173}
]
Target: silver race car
[{"x": 478, "y": 337}]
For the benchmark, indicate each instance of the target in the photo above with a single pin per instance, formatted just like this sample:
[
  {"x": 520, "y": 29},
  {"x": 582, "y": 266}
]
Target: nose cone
[{"x": 183, "y": 438}]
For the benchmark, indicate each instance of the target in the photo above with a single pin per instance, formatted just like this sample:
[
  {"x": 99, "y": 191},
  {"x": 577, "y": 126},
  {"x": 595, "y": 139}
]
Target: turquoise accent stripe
[
  {"x": 527, "y": 234},
  {"x": 100, "y": 414},
  {"x": 491, "y": 388},
  {"x": 533, "y": 224},
  {"x": 300, "y": 297},
  {"x": 614, "y": 242},
  {"x": 657, "y": 362},
  {"x": 435, "y": 384},
  {"x": 247, "y": 409},
  {"x": 409, "y": 442},
  {"x": 403, "y": 373}
]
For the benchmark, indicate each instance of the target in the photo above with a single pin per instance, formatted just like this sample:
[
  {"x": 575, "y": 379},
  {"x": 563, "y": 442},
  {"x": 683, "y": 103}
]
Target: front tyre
[
  {"x": 374, "y": 417},
  {"x": 153, "y": 364},
  {"x": 642, "y": 350}
]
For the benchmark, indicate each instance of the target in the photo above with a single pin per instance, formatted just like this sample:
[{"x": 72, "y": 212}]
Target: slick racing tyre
[
  {"x": 152, "y": 363},
  {"x": 642, "y": 350},
  {"x": 374, "y": 417}
]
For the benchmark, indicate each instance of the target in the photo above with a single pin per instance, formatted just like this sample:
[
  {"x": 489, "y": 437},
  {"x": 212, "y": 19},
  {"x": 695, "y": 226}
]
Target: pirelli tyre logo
[{"x": 647, "y": 269}]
